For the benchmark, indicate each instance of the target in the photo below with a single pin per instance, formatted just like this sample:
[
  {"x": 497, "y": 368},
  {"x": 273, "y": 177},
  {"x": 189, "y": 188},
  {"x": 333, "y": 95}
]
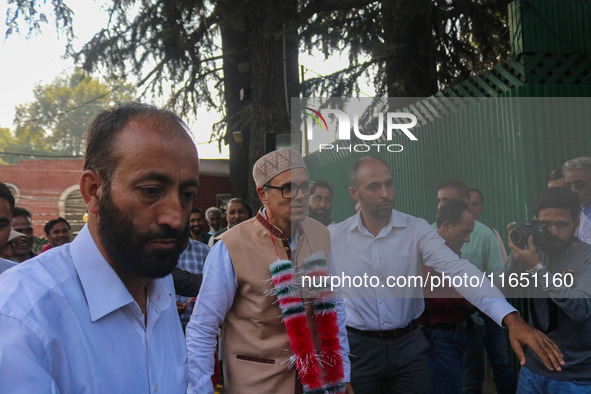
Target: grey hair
[
  {"x": 580, "y": 163},
  {"x": 212, "y": 209}
]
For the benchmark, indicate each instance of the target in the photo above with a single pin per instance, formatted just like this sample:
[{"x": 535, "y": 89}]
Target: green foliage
[
  {"x": 34, "y": 13},
  {"x": 170, "y": 43},
  {"x": 6, "y": 141},
  {"x": 57, "y": 120},
  {"x": 445, "y": 41}
]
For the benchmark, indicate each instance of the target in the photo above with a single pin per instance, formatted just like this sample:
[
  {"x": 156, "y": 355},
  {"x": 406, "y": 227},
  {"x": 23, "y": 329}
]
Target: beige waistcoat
[{"x": 256, "y": 346}]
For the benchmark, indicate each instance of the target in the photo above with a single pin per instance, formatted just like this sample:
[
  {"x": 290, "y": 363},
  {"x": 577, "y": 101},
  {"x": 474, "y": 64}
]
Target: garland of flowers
[
  {"x": 327, "y": 327},
  {"x": 319, "y": 373},
  {"x": 296, "y": 324}
]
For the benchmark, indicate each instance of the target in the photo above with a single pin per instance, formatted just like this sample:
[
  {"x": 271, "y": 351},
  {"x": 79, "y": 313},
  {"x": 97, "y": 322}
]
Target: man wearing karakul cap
[{"x": 238, "y": 294}]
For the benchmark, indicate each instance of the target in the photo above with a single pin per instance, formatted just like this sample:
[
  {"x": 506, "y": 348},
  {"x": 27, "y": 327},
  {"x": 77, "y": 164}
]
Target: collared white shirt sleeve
[
  {"x": 215, "y": 299},
  {"x": 371, "y": 269}
]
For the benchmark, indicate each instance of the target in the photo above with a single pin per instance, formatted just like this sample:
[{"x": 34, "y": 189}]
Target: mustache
[
  {"x": 166, "y": 233},
  {"x": 554, "y": 239}
]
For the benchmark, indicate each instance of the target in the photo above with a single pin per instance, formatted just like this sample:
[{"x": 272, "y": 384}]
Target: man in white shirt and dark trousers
[
  {"x": 98, "y": 315},
  {"x": 386, "y": 347}
]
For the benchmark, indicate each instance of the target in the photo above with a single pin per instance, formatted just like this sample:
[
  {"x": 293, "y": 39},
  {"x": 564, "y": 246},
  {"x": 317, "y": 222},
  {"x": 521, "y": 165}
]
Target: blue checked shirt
[{"x": 192, "y": 259}]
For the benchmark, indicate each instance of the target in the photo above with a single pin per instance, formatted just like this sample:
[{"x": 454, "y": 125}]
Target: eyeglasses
[
  {"x": 575, "y": 185},
  {"x": 559, "y": 225},
  {"x": 290, "y": 190}
]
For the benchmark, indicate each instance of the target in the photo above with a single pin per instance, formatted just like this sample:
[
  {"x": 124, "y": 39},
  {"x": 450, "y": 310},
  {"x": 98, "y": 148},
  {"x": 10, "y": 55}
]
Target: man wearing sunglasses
[
  {"x": 559, "y": 294},
  {"x": 238, "y": 294},
  {"x": 577, "y": 177}
]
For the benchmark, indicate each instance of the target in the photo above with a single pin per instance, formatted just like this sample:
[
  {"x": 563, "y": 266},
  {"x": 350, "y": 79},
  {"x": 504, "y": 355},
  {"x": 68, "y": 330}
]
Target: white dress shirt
[
  {"x": 214, "y": 301},
  {"x": 399, "y": 250},
  {"x": 69, "y": 325},
  {"x": 583, "y": 232}
]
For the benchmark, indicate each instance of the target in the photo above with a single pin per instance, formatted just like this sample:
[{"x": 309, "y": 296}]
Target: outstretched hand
[{"x": 521, "y": 335}]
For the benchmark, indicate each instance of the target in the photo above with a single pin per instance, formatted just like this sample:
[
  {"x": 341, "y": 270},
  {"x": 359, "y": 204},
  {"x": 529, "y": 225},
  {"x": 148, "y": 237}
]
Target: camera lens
[{"x": 518, "y": 238}]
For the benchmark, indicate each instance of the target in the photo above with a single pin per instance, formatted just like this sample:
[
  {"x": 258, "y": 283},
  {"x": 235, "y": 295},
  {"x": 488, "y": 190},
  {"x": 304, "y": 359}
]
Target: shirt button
[{"x": 155, "y": 388}]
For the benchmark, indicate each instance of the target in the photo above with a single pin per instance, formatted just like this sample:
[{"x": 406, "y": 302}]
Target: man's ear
[
  {"x": 262, "y": 195},
  {"x": 445, "y": 227},
  {"x": 91, "y": 188},
  {"x": 353, "y": 192}
]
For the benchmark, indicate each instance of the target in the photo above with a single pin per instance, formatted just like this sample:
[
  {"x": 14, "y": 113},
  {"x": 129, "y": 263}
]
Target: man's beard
[
  {"x": 197, "y": 230},
  {"x": 322, "y": 217},
  {"x": 126, "y": 246},
  {"x": 555, "y": 246}
]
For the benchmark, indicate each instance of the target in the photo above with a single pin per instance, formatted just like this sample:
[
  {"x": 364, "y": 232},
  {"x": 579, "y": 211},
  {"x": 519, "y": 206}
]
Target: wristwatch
[{"x": 535, "y": 268}]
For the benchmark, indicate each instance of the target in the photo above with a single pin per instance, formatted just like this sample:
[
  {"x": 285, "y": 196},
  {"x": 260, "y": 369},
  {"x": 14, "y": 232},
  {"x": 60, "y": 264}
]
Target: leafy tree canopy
[
  {"x": 6, "y": 140},
  {"x": 58, "y": 118},
  {"x": 409, "y": 48},
  {"x": 179, "y": 48}
]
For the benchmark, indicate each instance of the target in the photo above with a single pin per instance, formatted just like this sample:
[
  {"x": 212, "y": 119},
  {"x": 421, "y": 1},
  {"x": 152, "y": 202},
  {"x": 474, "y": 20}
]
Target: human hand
[
  {"x": 527, "y": 257},
  {"x": 521, "y": 335}
]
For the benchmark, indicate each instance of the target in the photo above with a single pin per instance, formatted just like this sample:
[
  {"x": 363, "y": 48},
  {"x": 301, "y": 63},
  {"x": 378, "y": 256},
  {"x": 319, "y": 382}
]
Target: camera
[{"x": 539, "y": 230}]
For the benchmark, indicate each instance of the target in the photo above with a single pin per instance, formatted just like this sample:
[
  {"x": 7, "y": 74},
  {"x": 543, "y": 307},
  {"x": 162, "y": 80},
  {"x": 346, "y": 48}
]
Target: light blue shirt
[
  {"x": 587, "y": 211},
  {"x": 214, "y": 301},
  {"x": 6, "y": 264},
  {"x": 192, "y": 260},
  {"x": 69, "y": 325},
  {"x": 399, "y": 251},
  {"x": 583, "y": 232}
]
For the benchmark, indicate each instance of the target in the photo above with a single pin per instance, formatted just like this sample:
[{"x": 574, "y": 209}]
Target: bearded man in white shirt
[{"x": 98, "y": 314}]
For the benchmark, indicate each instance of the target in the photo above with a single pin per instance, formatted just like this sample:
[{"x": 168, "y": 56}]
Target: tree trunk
[
  {"x": 236, "y": 62},
  {"x": 272, "y": 43},
  {"x": 410, "y": 46}
]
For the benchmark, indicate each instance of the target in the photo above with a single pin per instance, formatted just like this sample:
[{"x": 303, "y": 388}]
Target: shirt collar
[
  {"x": 587, "y": 211},
  {"x": 262, "y": 218},
  {"x": 102, "y": 286},
  {"x": 397, "y": 220}
]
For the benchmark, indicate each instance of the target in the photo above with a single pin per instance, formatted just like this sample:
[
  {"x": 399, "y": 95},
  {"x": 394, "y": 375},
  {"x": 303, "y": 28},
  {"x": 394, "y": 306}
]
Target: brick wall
[{"x": 41, "y": 184}]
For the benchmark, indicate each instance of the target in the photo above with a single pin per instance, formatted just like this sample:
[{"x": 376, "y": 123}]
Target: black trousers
[{"x": 390, "y": 365}]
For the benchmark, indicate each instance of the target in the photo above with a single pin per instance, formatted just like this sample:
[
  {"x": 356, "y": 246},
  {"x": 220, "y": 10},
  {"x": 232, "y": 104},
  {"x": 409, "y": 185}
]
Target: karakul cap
[{"x": 274, "y": 163}]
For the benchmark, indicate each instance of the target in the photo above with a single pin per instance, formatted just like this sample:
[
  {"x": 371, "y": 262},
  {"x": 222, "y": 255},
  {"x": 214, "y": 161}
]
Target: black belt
[{"x": 387, "y": 334}]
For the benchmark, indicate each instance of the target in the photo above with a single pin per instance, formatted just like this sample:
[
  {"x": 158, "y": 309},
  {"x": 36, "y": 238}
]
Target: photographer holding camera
[{"x": 559, "y": 308}]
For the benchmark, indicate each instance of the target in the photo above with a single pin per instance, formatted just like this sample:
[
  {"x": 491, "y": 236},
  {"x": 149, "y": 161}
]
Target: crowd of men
[
  {"x": 22, "y": 244},
  {"x": 102, "y": 314}
]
